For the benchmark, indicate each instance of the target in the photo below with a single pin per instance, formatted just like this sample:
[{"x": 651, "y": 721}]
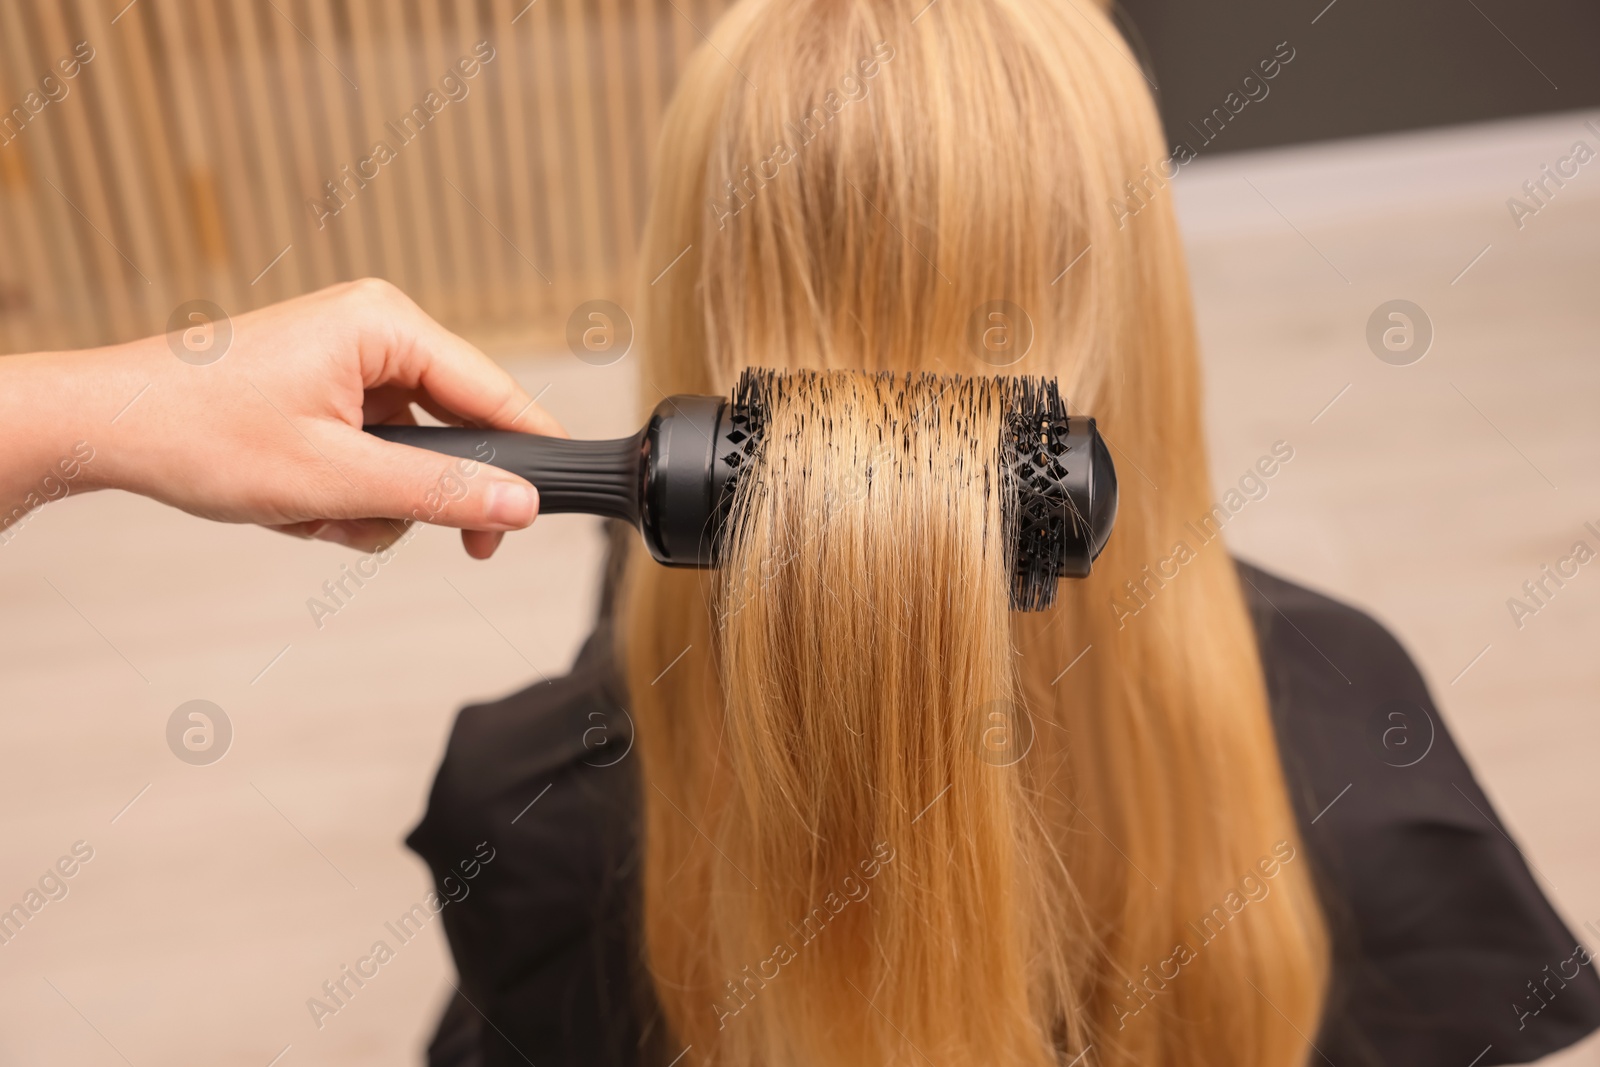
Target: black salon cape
[{"x": 1446, "y": 951}]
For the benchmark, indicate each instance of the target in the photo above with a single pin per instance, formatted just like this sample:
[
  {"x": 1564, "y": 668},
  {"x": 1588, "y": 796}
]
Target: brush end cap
[
  {"x": 1089, "y": 487},
  {"x": 1102, "y": 510}
]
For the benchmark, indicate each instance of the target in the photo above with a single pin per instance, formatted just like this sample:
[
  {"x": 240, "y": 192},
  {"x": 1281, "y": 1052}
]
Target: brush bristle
[
  {"x": 1036, "y": 509},
  {"x": 1038, "y": 505}
]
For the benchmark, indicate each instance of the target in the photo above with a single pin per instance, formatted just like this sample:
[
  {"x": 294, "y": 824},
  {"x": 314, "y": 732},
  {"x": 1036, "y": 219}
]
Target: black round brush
[{"x": 675, "y": 479}]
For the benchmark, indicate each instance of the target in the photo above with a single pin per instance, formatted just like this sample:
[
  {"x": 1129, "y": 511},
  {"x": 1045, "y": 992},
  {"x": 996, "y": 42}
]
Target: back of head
[{"x": 887, "y": 820}]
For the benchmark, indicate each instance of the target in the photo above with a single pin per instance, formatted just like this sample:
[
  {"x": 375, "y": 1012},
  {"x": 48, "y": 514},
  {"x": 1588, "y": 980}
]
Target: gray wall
[{"x": 1363, "y": 66}]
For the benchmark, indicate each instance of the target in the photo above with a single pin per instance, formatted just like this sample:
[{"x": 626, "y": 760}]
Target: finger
[
  {"x": 400, "y": 482},
  {"x": 363, "y": 535},
  {"x": 437, "y": 410},
  {"x": 458, "y": 376},
  {"x": 366, "y": 535},
  {"x": 302, "y": 530},
  {"x": 480, "y": 544}
]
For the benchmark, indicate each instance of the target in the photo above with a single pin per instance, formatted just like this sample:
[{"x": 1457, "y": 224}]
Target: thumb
[{"x": 400, "y": 482}]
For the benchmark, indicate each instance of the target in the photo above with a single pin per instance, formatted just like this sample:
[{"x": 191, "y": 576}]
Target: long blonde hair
[{"x": 841, "y": 863}]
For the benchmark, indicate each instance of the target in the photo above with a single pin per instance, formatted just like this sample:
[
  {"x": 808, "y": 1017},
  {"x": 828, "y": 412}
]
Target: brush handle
[{"x": 592, "y": 477}]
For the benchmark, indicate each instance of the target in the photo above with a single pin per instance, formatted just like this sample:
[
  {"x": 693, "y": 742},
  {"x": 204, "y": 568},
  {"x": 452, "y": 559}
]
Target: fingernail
[{"x": 512, "y": 505}]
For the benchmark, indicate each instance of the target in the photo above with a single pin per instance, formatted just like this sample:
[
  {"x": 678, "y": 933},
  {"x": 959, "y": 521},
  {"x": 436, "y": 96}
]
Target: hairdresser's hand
[{"x": 270, "y": 433}]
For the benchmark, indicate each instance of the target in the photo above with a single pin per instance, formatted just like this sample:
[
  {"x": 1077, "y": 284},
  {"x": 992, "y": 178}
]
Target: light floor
[{"x": 219, "y": 898}]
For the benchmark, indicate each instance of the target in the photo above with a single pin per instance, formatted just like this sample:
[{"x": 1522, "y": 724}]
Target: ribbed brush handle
[{"x": 593, "y": 477}]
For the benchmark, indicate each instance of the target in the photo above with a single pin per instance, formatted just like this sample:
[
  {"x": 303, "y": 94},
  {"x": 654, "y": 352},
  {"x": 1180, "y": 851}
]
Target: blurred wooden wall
[{"x": 178, "y": 161}]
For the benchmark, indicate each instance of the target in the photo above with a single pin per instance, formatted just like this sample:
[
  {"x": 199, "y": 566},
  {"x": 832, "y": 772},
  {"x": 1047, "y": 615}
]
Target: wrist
[{"x": 109, "y": 386}]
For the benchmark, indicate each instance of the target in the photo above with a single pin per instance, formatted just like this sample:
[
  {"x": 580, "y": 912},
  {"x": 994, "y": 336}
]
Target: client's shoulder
[
  {"x": 1436, "y": 917},
  {"x": 1313, "y": 639},
  {"x": 556, "y": 721},
  {"x": 1349, "y": 704},
  {"x": 548, "y": 758},
  {"x": 540, "y": 787}
]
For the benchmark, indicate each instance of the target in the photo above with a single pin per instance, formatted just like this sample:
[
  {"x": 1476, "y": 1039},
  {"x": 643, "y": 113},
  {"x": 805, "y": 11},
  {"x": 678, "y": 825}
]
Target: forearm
[{"x": 56, "y": 428}]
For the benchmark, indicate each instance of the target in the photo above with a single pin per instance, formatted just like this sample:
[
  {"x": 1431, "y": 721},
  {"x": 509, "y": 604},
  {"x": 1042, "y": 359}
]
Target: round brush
[{"x": 675, "y": 479}]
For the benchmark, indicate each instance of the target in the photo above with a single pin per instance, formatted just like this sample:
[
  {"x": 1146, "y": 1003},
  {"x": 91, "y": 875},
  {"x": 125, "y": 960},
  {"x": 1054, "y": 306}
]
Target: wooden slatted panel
[
  {"x": 56, "y": 281},
  {"x": 225, "y": 150}
]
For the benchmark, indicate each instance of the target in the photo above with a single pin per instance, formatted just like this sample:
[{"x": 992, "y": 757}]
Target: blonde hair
[{"x": 1117, "y": 882}]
